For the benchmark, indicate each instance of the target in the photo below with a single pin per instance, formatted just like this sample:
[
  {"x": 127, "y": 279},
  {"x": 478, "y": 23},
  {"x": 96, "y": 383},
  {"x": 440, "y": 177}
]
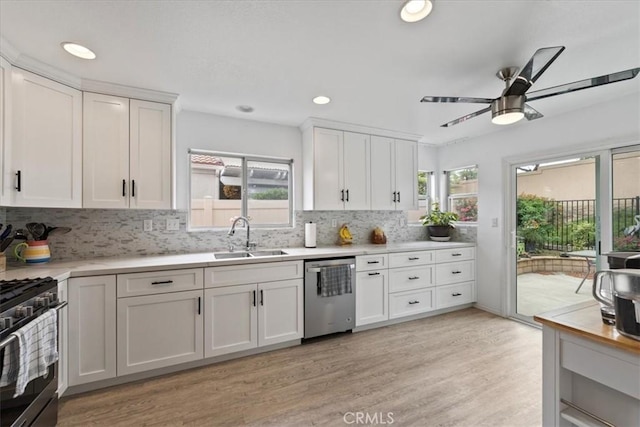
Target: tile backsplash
[{"x": 110, "y": 233}]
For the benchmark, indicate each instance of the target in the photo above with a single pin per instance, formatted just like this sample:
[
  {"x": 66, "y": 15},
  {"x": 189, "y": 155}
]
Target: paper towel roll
[{"x": 310, "y": 235}]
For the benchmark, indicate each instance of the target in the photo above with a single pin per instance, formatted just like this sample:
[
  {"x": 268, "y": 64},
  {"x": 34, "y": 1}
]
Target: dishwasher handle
[{"x": 317, "y": 269}]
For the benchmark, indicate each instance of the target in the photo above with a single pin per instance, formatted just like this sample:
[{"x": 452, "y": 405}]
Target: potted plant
[{"x": 439, "y": 224}]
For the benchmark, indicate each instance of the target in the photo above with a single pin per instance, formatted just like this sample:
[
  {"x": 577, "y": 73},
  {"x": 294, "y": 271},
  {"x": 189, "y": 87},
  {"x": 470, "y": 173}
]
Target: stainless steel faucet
[{"x": 249, "y": 245}]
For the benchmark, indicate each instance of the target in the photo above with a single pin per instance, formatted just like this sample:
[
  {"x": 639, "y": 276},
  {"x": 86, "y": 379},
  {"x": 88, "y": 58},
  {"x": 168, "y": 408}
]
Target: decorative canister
[{"x": 33, "y": 251}]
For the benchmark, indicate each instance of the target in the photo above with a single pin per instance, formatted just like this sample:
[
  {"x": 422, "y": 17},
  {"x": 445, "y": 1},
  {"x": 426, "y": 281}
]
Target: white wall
[
  {"x": 596, "y": 127},
  {"x": 210, "y": 132}
]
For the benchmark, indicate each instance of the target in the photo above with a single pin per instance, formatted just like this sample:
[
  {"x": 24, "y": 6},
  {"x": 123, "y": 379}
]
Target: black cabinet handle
[
  {"x": 398, "y": 197},
  {"x": 394, "y": 197},
  {"x": 373, "y": 262},
  {"x": 414, "y": 302},
  {"x": 124, "y": 188},
  {"x": 342, "y": 195},
  {"x": 133, "y": 188},
  {"x": 261, "y": 297},
  {"x": 164, "y": 282},
  {"x": 456, "y": 294},
  {"x": 456, "y": 254},
  {"x": 254, "y": 298},
  {"x": 413, "y": 258},
  {"x": 456, "y": 272},
  {"x": 374, "y": 274},
  {"x": 19, "y": 180},
  {"x": 414, "y": 278},
  {"x": 347, "y": 195},
  {"x": 199, "y": 303}
]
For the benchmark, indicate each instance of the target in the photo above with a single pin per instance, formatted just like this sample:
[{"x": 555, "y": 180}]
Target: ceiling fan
[{"x": 512, "y": 105}]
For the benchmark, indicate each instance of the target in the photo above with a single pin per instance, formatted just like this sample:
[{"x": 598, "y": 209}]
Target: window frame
[
  {"x": 429, "y": 197},
  {"x": 244, "y": 206},
  {"x": 450, "y": 198}
]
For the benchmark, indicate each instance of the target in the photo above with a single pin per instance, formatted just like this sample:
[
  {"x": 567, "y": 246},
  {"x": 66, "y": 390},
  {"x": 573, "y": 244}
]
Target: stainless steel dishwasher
[{"x": 329, "y": 307}]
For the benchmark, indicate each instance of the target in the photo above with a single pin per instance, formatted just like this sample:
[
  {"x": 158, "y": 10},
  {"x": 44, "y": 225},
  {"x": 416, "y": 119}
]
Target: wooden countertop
[{"x": 584, "y": 320}]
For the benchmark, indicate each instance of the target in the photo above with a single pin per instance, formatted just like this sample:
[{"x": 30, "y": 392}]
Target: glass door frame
[{"x": 603, "y": 215}]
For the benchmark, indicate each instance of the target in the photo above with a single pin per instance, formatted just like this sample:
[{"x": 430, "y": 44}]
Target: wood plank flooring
[{"x": 466, "y": 368}]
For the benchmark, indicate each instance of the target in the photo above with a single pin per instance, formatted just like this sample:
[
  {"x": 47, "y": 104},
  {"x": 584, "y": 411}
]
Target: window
[
  {"x": 462, "y": 193},
  {"x": 224, "y": 186},
  {"x": 425, "y": 191}
]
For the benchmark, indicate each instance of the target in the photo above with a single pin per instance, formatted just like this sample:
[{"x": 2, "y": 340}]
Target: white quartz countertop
[{"x": 134, "y": 264}]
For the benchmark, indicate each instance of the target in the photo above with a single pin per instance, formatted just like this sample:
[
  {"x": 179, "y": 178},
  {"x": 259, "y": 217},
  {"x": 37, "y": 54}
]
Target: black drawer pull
[
  {"x": 374, "y": 274},
  {"x": 456, "y": 254},
  {"x": 373, "y": 262},
  {"x": 414, "y": 302},
  {"x": 456, "y": 294},
  {"x": 164, "y": 282},
  {"x": 456, "y": 272},
  {"x": 413, "y": 258},
  {"x": 414, "y": 278}
]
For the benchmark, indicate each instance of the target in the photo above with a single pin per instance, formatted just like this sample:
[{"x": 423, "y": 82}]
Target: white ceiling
[{"x": 276, "y": 55}]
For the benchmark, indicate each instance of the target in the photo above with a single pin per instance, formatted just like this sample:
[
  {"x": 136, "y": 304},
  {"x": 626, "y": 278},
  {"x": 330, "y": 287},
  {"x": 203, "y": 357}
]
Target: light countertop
[
  {"x": 101, "y": 266},
  {"x": 584, "y": 320}
]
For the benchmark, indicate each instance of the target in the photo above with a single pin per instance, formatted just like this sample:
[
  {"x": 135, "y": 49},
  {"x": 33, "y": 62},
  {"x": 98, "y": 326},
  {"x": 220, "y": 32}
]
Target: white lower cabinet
[
  {"x": 241, "y": 316},
  {"x": 452, "y": 295},
  {"x": 63, "y": 339},
  {"x": 155, "y": 331},
  {"x": 92, "y": 329},
  {"x": 372, "y": 305},
  {"x": 411, "y": 302}
]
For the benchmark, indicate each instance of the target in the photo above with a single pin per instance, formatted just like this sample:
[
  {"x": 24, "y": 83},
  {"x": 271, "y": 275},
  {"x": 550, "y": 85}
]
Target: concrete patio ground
[{"x": 540, "y": 292}]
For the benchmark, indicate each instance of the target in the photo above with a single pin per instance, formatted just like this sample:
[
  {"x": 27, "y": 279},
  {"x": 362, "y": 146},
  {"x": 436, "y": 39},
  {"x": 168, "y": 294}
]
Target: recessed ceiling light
[
  {"x": 415, "y": 10},
  {"x": 245, "y": 108},
  {"x": 321, "y": 100},
  {"x": 78, "y": 50}
]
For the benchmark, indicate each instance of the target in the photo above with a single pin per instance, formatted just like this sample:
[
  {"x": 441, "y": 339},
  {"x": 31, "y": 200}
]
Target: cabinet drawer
[
  {"x": 448, "y": 296},
  {"x": 411, "y": 302},
  {"x": 159, "y": 282},
  {"x": 371, "y": 262},
  {"x": 452, "y": 255},
  {"x": 404, "y": 279},
  {"x": 252, "y": 273},
  {"x": 409, "y": 259},
  {"x": 455, "y": 272}
]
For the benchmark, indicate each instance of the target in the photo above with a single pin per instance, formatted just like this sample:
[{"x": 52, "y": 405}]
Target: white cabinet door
[
  {"x": 46, "y": 143},
  {"x": 230, "y": 319},
  {"x": 280, "y": 311},
  {"x": 92, "y": 329},
  {"x": 105, "y": 155},
  {"x": 6, "y": 180},
  {"x": 63, "y": 339},
  {"x": 155, "y": 331},
  {"x": 328, "y": 180},
  {"x": 406, "y": 175},
  {"x": 150, "y": 159},
  {"x": 382, "y": 174},
  {"x": 356, "y": 171},
  {"x": 372, "y": 290}
]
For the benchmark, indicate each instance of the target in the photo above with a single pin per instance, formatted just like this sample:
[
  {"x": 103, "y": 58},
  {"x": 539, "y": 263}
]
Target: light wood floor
[{"x": 467, "y": 368}]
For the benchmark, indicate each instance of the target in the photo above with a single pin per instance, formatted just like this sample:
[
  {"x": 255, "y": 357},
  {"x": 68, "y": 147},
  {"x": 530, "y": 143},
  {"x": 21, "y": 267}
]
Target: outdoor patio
[{"x": 543, "y": 291}]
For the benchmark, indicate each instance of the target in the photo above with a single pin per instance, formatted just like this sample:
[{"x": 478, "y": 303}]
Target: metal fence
[{"x": 565, "y": 214}]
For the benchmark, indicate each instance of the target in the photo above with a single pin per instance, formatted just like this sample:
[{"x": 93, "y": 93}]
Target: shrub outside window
[
  {"x": 224, "y": 186},
  {"x": 462, "y": 193}
]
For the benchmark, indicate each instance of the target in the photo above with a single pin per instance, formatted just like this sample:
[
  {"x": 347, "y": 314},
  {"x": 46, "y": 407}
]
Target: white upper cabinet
[
  {"x": 338, "y": 174},
  {"x": 5, "y": 126},
  {"x": 127, "y": 153},
  {"x": 43, "y": 156},
  {"x": 394, "y": 166}
]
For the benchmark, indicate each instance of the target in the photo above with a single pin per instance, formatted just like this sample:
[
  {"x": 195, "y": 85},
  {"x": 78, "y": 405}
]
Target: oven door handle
[{"x": 12, "y": 337}]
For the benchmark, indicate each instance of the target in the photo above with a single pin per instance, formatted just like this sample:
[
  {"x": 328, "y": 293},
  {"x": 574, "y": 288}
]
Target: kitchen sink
[
  {"x": 242, "y": 254},
  {"x": 230, "y": 255},
  {"x": 268, "y": 253}
]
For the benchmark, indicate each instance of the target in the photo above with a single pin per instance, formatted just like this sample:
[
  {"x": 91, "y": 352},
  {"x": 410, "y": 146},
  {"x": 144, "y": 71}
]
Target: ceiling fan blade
[
  {"x": 584, "y": 84},
  {"x": 456, "y": 99},
  {"x": 465, "y": 118},
  {"x": 538, "y": 64},
  {"x": 531, "y": 113}
]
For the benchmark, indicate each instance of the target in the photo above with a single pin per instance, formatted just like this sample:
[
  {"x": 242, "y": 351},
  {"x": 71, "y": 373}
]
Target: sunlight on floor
[{"x": 538, "y": 293}]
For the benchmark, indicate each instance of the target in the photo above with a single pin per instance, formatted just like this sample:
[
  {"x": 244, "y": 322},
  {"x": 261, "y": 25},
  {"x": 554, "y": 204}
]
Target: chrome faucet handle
[
  {"x": 251, "y": 246},
  {"x": 231, "y": 247}
]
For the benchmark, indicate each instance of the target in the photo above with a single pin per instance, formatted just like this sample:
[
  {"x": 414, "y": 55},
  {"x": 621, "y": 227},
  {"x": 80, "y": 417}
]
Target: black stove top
[{"x": 14, "y": 292}]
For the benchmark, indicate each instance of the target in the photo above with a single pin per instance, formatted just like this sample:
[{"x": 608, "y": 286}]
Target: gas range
[{"x": 23, "y": 300}]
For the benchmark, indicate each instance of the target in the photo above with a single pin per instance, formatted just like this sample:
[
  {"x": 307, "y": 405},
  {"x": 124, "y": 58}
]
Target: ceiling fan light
[
  {"x": 415, "y": 10},
  {"x": 507, "y": 118},
  {"x": 507, "y": 109}
]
